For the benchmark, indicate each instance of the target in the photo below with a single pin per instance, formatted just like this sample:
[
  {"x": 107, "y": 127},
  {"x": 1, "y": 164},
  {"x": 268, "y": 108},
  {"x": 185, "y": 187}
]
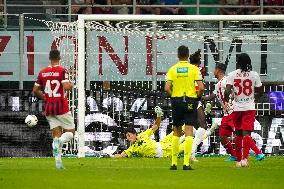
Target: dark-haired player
[
  {"x": 142, "y": 145},
  {"x": 227, "y": 127},
  {"x": 51, "y": 84},
  {"x": 201, "y": 117},
  {"x": 241, "y": 85}
]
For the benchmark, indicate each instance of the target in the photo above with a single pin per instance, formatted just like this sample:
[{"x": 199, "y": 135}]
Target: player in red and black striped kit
[
  {"x": 51, "y": 84},
  {"x": 202, "y": 124}
]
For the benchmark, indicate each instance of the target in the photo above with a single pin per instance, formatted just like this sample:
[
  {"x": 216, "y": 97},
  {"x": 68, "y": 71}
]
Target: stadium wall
[{"x": 130, "y": 58}]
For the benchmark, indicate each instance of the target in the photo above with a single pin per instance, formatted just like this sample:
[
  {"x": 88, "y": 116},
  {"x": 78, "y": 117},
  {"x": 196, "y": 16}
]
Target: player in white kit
[{"x": 241, "y": 85}]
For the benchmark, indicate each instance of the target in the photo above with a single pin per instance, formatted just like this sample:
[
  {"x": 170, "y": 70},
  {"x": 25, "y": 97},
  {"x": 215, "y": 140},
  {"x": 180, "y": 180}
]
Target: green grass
[{"x": 39, "y": 173}]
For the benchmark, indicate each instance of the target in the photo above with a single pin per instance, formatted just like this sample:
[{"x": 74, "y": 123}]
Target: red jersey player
[
  {"x": 227, "y": 126},
  {"x": 202, "y": 125},
  {"x": 241, "y": 84},
  {"x": 54, "y": 81}
]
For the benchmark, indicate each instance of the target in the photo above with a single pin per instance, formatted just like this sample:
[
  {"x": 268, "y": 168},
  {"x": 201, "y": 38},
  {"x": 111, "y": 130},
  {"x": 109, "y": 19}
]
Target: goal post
[
  {"x": 81, "y": 88},
  {"x": 83, "y": 19}
]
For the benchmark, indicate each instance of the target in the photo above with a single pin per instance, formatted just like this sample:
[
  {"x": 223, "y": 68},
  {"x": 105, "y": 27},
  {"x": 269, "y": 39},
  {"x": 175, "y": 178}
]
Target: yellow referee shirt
[{"x": 183, "y": 76}]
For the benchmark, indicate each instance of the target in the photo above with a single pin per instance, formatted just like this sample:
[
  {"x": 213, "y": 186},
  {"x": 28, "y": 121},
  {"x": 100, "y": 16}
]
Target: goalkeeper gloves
[
  {"x": 208, "y": 108},
  {"x": 159, "y": 111}
]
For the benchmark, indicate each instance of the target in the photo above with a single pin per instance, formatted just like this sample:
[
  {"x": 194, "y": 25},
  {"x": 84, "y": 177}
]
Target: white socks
[
  {"x": 197, "y": 140},
  {"x": 66, "y": 137}
]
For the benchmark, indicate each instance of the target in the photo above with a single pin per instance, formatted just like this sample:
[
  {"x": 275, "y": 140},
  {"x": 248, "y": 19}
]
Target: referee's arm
[
  {"x": 200, "y": 88},
  {"x": 168, "y": 87}
]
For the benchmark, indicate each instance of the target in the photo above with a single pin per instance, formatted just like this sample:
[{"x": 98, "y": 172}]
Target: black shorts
[{"x": 184, "y": 111}]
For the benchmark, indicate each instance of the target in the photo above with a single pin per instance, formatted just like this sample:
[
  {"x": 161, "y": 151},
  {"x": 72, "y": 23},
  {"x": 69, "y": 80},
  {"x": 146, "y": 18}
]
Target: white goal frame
[{"x": 81, "y": 51}]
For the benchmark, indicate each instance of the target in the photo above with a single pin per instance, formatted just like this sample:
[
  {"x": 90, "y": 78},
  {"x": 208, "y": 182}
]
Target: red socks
[
  {"x": 239, "y": 147},
  {"x": 248, "y": 144},
  {"x": 229, "y": 148}
]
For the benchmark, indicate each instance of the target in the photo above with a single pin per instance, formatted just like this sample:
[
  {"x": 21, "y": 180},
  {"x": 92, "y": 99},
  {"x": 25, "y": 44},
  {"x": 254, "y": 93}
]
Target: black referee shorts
[{"x": 184, "y": 111}]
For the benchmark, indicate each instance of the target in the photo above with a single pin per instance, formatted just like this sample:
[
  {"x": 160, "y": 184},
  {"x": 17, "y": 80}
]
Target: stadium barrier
[{"x": 19, "y": 140}]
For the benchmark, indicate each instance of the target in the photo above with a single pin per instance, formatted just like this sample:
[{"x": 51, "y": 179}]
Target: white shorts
[
  {"x": 199, "y": 104},
  {"x": 66, "y": 121},
  {"x": 159, "y": 150}
]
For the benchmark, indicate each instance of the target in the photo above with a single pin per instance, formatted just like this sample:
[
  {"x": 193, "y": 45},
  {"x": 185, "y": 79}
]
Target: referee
[{"x": 180, "y": 86}]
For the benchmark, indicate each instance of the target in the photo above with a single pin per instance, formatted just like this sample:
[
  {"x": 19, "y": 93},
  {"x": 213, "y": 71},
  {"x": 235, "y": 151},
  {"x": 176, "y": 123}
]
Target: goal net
[{"x": 121, "y": 62}]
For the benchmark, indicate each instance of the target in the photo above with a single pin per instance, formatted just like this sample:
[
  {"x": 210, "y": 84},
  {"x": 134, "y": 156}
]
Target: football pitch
[{"x": 210, "y": 172}]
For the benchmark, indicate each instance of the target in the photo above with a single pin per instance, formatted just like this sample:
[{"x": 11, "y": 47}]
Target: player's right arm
[
  {"x": 37, "y": 87},
  {"x": 168, "y": 87},
  {"x": 199, "y": 80},
  {"x": 121, "y": 155},
  {"x": 169, "y": 80},
  {"x": 38, "y": 92},
  {"x": 228, "y": 93},
  {"x": 210, "y": 97},
  {"x": 126, "y": 153}
]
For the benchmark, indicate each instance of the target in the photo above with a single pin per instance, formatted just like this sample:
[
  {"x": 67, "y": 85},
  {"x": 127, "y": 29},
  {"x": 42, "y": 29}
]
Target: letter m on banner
[{"x": 104, "y": 44}]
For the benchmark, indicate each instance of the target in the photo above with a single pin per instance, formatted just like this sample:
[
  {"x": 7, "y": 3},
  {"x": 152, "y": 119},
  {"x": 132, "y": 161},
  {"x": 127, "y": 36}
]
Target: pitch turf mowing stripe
[{"x": 35, "y": 173}]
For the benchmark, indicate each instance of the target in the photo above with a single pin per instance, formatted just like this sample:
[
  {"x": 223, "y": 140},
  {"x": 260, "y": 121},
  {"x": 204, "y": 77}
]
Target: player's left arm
[
  {"x": 156, "y": 124},
  {"x": 259, "y": 89},
  {"x": 66, "y": 83}
]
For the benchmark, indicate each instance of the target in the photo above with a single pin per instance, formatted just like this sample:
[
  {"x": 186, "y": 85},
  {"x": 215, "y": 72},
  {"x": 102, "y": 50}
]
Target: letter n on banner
[
  {"x": 104, "y": 44},
  {"x": 4, "y": 40}
]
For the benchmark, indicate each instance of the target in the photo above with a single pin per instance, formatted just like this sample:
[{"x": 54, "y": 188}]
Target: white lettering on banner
[{"x": 128, "y": 57}]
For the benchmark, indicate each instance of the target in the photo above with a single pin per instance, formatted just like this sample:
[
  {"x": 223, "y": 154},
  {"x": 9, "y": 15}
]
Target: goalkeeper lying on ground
[{"x": 143, "y": 146}]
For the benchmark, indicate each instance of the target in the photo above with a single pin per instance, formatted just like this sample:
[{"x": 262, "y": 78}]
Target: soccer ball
[{"x": 31, "y": 120}]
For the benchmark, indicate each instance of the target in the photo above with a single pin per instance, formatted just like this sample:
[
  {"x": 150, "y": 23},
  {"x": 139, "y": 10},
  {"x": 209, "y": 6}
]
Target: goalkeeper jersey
[{"x": 144, "y": 146}]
